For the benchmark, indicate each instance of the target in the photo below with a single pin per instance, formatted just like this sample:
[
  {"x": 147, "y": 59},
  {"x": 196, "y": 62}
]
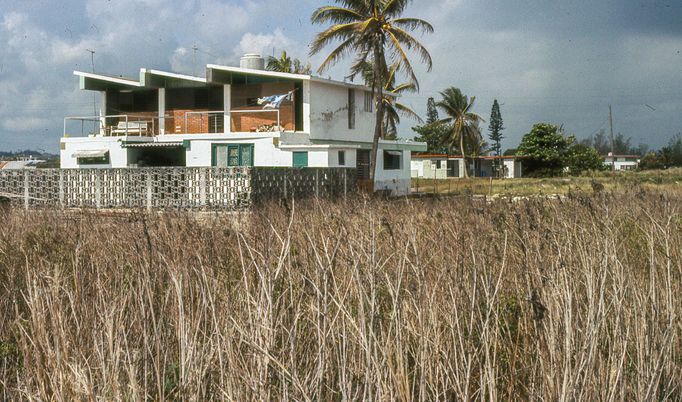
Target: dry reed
[{"x": 455, "y": 299}]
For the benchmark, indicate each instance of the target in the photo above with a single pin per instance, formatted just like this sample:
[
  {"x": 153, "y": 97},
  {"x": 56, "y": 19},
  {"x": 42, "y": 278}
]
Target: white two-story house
[
  {"x": 621, "y": 162},
  {"x": 235, "y": 116}
]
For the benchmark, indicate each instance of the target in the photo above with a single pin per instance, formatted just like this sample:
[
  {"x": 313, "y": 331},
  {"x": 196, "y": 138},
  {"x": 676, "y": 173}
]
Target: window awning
[
  {"x": 394, "y": 153},
  {"x": 153, "y": 145},
  {"x": 91, "y": 153}
]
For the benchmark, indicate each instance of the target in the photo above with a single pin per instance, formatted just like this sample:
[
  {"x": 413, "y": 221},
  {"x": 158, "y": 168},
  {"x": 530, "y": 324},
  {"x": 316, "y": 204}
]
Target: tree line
[
  {"x": 546, "y": 149},
  {"x": 379, "y": 38}
]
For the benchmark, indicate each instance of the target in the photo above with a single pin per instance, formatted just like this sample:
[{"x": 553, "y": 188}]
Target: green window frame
[
  {"x": 98, "y": 160},
  {"x": 300, "y": 159},
  {"x": 232, "y": 155},
  {"x": 393, "y": 160}
]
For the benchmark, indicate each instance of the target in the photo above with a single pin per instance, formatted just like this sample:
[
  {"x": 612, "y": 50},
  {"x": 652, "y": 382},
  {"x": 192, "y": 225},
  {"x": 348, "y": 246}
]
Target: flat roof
[
  {"x": 228, "y": 74},
  {"x": 164, "y": 79},
  {"x": 215, "y": 74},
  {"x": 101, "y": 82},
  {"x": 402, "y": 145},
  {"x": 236, "y": 75},
  {"x": 445, "y": 156}
]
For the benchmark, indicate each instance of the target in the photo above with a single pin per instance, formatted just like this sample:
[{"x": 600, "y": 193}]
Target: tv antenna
[
  {"x": 92, "y": 58},
  {"x": 194, "y": 59}
]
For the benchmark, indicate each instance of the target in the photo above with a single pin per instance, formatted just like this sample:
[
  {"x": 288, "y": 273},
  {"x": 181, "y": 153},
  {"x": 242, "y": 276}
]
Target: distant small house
[
  {"x": 441, "y": 166},
  {"x": 621, "y": 162}
]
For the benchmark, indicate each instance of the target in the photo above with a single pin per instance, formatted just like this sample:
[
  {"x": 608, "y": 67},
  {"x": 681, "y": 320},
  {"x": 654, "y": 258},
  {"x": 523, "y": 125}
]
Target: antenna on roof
[
  {"x": 194, "y": 64},
  {"x": 92, "y": 58}
]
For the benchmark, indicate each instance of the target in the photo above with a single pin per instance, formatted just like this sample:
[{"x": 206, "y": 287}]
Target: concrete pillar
[
  {"x": 98, "y": 189},
  {"x": 26, "y": 192},
  {"x": 102, "y": 111},
  {"x": 162, "y": 111},
  {"x": 306, "y": 106},
  {"x": 202, "y": 186},
  {"x": 61, "y": 188},
  {"x": 227, "y": 106},
  {"x": 149, "y": 190}
]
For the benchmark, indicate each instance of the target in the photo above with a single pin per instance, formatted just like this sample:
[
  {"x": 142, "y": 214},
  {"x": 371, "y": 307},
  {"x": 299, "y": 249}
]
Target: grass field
[
  {"x": 413, "y": 299},
  {"x": 667, "y": 180}
]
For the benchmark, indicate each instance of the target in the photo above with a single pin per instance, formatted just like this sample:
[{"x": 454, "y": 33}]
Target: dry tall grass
[{"x": 366, "y": 300}]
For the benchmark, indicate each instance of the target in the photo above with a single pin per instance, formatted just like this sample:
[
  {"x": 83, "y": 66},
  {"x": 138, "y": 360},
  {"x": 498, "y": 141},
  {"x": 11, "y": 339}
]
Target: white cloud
[
  {"x": 216, "y": 19},
  {"x": 263, "y": 43},
  {"x": 25, "y": 123}
]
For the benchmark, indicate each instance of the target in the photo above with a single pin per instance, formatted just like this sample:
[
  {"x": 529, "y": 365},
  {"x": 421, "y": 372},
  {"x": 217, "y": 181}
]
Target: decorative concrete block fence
[{"x": 177, "y": 187}]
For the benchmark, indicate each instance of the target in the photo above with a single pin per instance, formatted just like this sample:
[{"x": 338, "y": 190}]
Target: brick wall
[{"x": 249, "y": 122}]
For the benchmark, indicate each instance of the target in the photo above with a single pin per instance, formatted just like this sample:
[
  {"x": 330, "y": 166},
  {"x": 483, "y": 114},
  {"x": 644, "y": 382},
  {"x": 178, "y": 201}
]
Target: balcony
[
  {"x": 242, "y": 120},
  {"x": 122, "y": 125}
]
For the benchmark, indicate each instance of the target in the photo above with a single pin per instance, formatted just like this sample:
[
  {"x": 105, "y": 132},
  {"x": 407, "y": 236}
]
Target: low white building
[
  {"x": 621, "y": 162},
  {"x": 235, "y": 116},
  {"x": 440, "y": 166}
]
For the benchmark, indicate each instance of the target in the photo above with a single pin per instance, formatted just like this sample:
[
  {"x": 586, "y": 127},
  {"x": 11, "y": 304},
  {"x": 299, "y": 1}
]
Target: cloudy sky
[{"x": 544, "y": 60}]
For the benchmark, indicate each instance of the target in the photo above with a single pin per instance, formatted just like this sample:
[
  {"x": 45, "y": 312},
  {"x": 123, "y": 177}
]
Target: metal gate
[{"x": 362, "y": 164}]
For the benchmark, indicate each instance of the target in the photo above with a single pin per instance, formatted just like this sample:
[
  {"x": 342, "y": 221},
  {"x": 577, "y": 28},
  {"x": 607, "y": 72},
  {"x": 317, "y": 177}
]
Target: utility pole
[
  {"x": 94, "y": 95},
  {"x": 613, "y": 157}
]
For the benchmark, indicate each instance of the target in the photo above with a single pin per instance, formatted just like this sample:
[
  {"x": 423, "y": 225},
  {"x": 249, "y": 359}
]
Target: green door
[
  {"x": 300, "y": 159},
  {"x": 232, "y": 155}
]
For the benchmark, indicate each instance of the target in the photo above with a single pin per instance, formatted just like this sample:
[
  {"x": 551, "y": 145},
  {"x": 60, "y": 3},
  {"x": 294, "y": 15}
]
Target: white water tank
[{"x": 253, "y": 61}]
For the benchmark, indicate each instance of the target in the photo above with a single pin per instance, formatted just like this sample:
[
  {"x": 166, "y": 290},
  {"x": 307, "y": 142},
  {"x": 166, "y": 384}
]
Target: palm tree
[
  {"x": 284, "y": 64},
  {"x": 465, "y": 123},
  {"x": 371, "y": 29},
  {"x": 392, "y": 108}
]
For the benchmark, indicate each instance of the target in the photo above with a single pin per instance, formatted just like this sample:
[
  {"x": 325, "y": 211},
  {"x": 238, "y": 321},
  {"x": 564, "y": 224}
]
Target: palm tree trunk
[
  {"x": 379, "y": 95},
  {"x": 461, "y": 149}
]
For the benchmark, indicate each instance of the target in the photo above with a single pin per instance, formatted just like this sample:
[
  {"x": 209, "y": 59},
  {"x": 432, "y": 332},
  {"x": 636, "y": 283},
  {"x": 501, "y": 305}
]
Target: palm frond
[
  {"x": 407, "y": 112},
  {"x": 342, "y": 50},
  {"x": 361, "y": 66},
  {"x": 391, "y": 120},
  {"x": 395, "y": 7},
  {"x": 402, "y": 59},
  {"x": 413, "y": 44},
  {"x": 407, "y": 87},
  {"x": 447, "y": 108},
  {"x": 413, "y": 24},
  {"x": 340, "y": 32},
  {"x": 363, "y": 7},
  {"x": 338, "y": 15}
]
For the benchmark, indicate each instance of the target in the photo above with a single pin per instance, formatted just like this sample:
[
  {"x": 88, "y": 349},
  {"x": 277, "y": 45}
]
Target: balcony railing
[
  {"x": 202, "y": 122},
  {"x": 178, "y": 122},
  {"x": 110, "y": 126}
]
